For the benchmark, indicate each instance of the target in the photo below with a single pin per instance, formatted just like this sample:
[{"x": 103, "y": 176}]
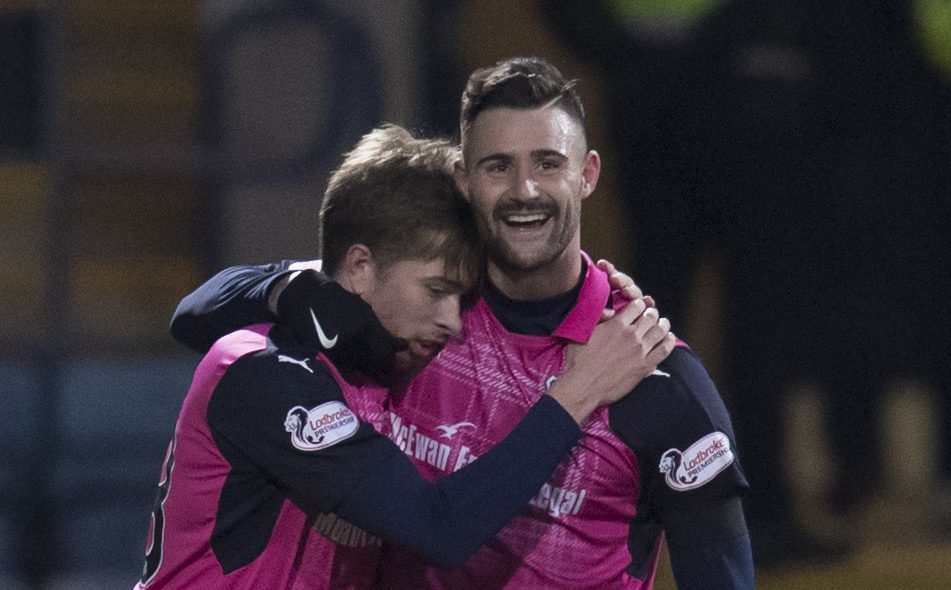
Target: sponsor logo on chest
[
  {"x": 557, "y": 501},
  {"x": 430, "y": 449}
]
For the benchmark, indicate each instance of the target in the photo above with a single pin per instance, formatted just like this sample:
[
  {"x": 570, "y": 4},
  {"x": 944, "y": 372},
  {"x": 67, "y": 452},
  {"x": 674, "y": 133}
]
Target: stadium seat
[{"x": 115, "y": 420}]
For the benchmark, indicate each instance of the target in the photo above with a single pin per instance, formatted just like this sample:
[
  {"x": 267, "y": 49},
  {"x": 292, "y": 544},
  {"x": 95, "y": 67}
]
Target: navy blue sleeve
[
  {"x": 233, "y": 298},
  {"x": 726, "y": 565},
  {"x": 691, "y": 482},
  {"x": 289, "y": 419},
  {"x": 680, "y": 430},
  {"x": 710, "y": 546},
  {"x": 448, "y": 521}
]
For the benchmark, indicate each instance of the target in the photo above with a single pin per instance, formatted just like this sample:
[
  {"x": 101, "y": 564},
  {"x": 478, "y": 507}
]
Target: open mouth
[{"x": 525, "y": 220}]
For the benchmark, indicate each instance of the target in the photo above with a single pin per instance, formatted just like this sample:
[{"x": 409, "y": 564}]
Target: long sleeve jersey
[
  {"x": 273, "y": 481},
  {"x": 663, "y": 459}
]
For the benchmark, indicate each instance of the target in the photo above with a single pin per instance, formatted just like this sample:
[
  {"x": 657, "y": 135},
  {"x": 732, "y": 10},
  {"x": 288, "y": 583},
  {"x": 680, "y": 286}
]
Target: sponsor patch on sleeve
[
  {"x": 320, "y": 427},
  {"x": 699, "y": 464}
]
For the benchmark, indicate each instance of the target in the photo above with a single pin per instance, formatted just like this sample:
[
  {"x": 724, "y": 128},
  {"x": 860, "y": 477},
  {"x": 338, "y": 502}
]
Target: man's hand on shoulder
[{"x": 622, "y": 350}]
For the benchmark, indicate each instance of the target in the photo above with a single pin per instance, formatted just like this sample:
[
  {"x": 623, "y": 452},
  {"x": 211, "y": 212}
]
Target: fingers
[
  {"x": 649, "y": 321},
  {"x": 654, "y": 332},
  {"x": 620, "y": 281},
  {"x": 662, "y": 350},
  {"x": 630, "y": 312},
  {"x": 657, "y": 331},
  {"x": 606, "y": 266},
  {"x": 649, "y": 328}
]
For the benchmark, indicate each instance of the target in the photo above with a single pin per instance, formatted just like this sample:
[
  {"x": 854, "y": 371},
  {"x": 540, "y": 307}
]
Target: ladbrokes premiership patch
[
  {"x": 699, "y": 464},
  {"x": 320, "y": 427}
]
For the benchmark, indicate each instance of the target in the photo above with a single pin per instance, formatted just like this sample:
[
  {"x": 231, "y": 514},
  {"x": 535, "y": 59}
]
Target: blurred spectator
[
  {"x": 826, "y": 128},
  {"x": 928, "y": 24},
  {"x": 892, "y": 173},
  {"x": 780, "y": 80}
]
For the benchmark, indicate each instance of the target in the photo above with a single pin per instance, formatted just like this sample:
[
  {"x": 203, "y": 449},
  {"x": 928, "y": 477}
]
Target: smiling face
[
  {"x": 419, "y": 301},
  {"x": 526, "y": 172}
]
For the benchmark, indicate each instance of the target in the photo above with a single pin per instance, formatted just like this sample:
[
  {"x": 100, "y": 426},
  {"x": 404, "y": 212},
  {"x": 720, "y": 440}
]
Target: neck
[
  {"x": 343, "y": 279},
  {"x": 554, "y": 278}
]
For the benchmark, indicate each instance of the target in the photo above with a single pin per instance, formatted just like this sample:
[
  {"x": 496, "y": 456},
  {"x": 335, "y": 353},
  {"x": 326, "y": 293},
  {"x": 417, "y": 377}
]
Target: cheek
[
  {"x": 389, "y": 318},
  {"x": 420, "y": 313},
  {"x": 573, "y": 216},
  {"x": 414, "y": 311},
  {"x": 483, "y": 210},
  {"x": 574, "y": 205},
  {"x": 389, "y": 303},
  {"x": 484, "y": 194},
  {"x": 571, "y": 196}
]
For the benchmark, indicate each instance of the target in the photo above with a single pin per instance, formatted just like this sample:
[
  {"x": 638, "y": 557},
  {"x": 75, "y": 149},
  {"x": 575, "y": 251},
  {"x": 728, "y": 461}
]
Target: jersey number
[{"x": 153, "y": 550}]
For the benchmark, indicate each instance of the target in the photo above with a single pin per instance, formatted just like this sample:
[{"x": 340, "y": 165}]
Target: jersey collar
[{"x": 584, "y": 316}]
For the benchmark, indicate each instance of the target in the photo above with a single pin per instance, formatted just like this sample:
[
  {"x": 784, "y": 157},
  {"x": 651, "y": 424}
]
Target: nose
[
  {"x": 448, "y": 318},
  {"x": 525, "y": 186}
]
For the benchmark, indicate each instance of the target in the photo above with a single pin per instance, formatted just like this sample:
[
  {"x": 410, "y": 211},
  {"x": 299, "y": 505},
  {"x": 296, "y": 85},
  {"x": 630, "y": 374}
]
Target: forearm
[
  {"x": 710, "y": 547},
  {"x": 233, "y": 298},
  {"x": 725, "y": 565},
  {"x": 576, "y": 398},
  {"x": 448, "y": 521}
]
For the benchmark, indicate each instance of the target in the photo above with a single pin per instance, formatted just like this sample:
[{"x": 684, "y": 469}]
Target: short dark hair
[
  {"x": 396, "y": 194},
  {"x": 520, "y": 83}
]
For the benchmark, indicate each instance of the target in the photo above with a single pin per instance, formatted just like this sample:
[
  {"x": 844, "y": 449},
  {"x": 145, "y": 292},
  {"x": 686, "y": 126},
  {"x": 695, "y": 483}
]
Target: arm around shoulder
[
  {"x": 234, "y": 297},
  {"x": 449, "y": 520}
]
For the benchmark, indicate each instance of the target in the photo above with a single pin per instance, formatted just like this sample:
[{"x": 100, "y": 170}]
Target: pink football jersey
[
  {"x": 301, "y": 553},
  {"x": 573, "y": 533}
]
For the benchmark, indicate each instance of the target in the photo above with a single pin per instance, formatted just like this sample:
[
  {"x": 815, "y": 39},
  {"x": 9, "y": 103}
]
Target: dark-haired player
[
  {"x": 660, "y": 462},
  {"x": 276, "y": 478}
]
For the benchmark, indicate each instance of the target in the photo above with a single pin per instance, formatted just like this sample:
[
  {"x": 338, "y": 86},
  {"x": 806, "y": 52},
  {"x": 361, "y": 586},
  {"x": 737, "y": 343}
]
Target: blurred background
[{"x": 776, "y": 174}]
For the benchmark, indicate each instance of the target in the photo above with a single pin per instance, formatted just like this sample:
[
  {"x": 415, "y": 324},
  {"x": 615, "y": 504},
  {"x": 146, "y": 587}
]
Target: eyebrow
[
  {"x": 508, "y": 158},
  {"x": 494, "y": 158}
]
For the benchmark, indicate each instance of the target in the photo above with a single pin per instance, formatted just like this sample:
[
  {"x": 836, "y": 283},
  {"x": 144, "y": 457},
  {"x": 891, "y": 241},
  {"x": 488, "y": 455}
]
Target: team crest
[
  {"x": 697, "y": 465},
  {"x": 320, "y": 427}
]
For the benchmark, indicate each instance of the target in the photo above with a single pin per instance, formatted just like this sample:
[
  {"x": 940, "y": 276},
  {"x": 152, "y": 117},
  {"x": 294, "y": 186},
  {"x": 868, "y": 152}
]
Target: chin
[
  {"x": 522, "y": 258},
  {"x": 407, "y": 367},
  {"x": 526, "y": 263}
]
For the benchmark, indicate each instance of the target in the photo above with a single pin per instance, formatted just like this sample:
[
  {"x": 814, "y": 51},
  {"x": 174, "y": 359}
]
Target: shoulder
[
  {"x": 678, "y": 400},
  {"x": 268, "y": 393},
  {"x": 273, "y": 375},
  {"x": 676, "y": 422},
  {"x": 687, "y": 376}
]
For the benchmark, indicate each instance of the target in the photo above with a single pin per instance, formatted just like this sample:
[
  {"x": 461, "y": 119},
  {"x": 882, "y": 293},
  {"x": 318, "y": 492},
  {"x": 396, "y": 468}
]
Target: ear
[
  {"x": 590, "y": 173},
  {"x": 358, "y": 271},
  {"x": 461, "y": 177}
]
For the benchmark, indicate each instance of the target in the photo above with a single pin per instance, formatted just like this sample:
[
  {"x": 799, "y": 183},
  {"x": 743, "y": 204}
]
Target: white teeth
[{"x": 526, "y": 218}]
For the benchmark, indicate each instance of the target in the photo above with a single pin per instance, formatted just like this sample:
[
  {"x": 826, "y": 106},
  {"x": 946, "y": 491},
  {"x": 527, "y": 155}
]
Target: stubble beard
[
  {"x": 513, "y": 259},
  {"x": 510, "y": 257}
]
